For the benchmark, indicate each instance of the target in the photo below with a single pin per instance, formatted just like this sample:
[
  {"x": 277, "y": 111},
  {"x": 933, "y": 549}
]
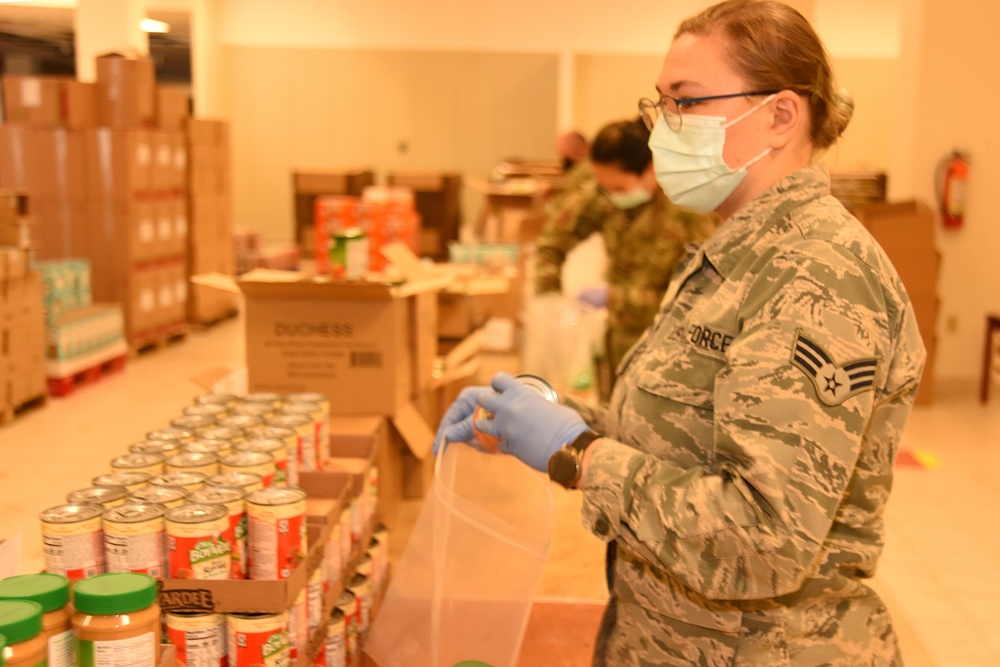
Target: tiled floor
[{"x": 939, "y": 571}]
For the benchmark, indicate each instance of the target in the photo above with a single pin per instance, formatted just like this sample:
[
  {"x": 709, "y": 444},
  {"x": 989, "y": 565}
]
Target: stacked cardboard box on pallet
[
  {"x": 210, "y": 242},
  {"x": 22, "y": 322}
]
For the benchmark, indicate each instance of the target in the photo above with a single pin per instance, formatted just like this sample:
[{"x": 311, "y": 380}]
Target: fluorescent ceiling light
[{"x": 149, "y": 25}]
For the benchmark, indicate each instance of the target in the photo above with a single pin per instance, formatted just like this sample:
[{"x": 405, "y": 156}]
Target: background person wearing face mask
[
  {"x": 744, "y": 462},
  {"x": 644, "y": 234}
]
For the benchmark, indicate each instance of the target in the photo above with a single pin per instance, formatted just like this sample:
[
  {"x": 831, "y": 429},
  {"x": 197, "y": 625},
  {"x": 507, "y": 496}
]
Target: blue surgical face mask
[
  {"x": 689, "y": 165},
  {"x": 637, "y": 196}
]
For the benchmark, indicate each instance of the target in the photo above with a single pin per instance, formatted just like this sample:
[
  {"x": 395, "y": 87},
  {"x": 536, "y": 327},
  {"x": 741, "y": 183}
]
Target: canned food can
[
  {"x": 197, "y": 545},
  {"x": 277, "y": 449},
  {"x": 375, "y": 554},
  {"x": 247, "y": 481},
  {"x": 259, "y": 463},
  {"x": 105, "y": 496},
  {"x": 199, "y": 639},
  {"x": 346, "y": 538},
  {"x": 334, "y": 556},
  {"x": 233, "y": 498},
  {"x": 348, "y": 605},
  {"x": 189, "y": 481},
  {"x": 233, "y": 435},
  {"x": 209, "y": 446},
  {"x": 193, "y": 422},
  {"x": 179, "y": 435},
  {"x": 256, "y": 640},
  {"x": 241, "y": 422},
  {"x": 305, "y": 447},
  {"x": 204, "y": 462},
  {"x": 348, "y": 254},
  {"x": 213, "y": 410},
  {"x": 298, "y": 625},
  {"x": 132, "y": 481},
  {"x": 374, "y": 490},
  {"x": 323, "y": 430},
  {"x": 336, "y": 655},
  {"x": 135, "y": 539},
  {"x": 73, "y": 540},
  {"x": 362, "y": 589},
  {"x": 164, "y": 448},
  {"x": 277, "y": 532},
  {"x": 269, "y": 397},
  {"x": 491, "y": 443},
  {"x": 225, "y": 400},
  {"x": 258, "y": 410},
  {"x": 316, "y": 593},
  {"x": 291, "y": 440},
  {"x": 151, "y": 464},
  {"x": 320, "y": 431},
  {"x": 168, "y": 496}
]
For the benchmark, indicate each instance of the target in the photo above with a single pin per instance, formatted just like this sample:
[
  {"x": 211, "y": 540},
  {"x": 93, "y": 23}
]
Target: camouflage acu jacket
[
  {"x": 752, "y": 434},
  {"x": 643, "y": 245}
]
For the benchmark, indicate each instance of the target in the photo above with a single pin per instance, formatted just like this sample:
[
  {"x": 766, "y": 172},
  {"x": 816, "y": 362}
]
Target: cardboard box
[
  {"x": 206, "y": 132},
  {"x": 438, "y": 200},
  {"x": 119, "y": 163},
  {"x": 31, "y": 100},
  {"x": 126, "y": 91},
  {"x": 906, "y": 231},
  {"x": 173, "y": 104},
  {"x": 307, "y": 185},
  {"x": 78, "y": 102},
  {"x": 23, "y": 320},
  {"x": 60, "y": 227},
  {"x": 357, "y": 444}
]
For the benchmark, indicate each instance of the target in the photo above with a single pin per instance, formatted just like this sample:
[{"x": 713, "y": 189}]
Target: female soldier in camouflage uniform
[{"x": 745, "y": 459}]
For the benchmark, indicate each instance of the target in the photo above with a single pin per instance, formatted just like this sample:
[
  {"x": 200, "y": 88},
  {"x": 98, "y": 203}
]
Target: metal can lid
[
  {"x": 192, "y": 422},
  {"x": 208, "y": 445},
  {"x": 347, "y": 598},
  {"x": 163, "y": 447},
  {"x": 241, "y": 421},
  {"x": 220, "y": 433},
  {"x": 137, "y": 460},
  {"x": 266, "y": 445},
  {"x": 337, "y": 616},
  {"x": 358, "y": 581},
  {"x": 301, "y": 408},
  {"x": 159, "y": 494},
  {"x": 217, "y": 399},
  {"x": 540, "y": 385},
  {"x": 71, "y": 513},
  {"x": 216, "y": 495},
  {"x": 307, "y": 397},
  {"x": 263, "y": 397},
  {"x": 192, "y": 459},
  {"x": 175, "y": 434},
  {"x": 276, "y": 495},
  {"x": 179, "y": 478},
  {"x": 214, "y": 410},
  {"x": 133, "y": 513},
  {"x": 122, "y": 478},
  {"x": 288, "y": 419},
  {"x": 272, "y": 432},
  {"x": 236, "y": 478},
  {"x": 254, "y": 409},
  {"x": 197, "y": 513},
  {"x": 97, "y": 494},
  {"x": 246, "y": 459}
]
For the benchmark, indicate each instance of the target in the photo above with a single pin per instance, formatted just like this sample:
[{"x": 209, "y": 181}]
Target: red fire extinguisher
[{"x": 956, "y": 176}]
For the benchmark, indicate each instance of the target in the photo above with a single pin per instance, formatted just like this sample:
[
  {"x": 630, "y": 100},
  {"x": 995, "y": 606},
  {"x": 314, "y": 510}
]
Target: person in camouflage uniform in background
[
  {"x": 743, "y": 464},
  {"x": 644, "y": 236}
]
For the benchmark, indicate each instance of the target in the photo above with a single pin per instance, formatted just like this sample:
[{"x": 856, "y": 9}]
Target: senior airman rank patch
[{"x": 834, "y": 383}]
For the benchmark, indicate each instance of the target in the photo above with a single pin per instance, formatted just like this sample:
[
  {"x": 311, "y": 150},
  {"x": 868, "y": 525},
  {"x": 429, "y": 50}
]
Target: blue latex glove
[
  {"x": 529, "y": 427},
  {"x": 456, "y": 425},
  {"x": 596, "y": 297}
]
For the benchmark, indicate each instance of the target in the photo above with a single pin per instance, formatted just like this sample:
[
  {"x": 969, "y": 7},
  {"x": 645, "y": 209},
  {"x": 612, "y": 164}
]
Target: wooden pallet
[
  {"x": 208, "y": 323},
  {"x": 151, "y": 340},
  {"x": 64, "y": 386},
  {"x": 9, "y": 413}
]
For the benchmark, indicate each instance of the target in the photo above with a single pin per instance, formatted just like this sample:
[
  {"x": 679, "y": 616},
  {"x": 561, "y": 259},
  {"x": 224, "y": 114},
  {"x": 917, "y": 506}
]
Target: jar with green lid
[
  {"x": 52, "y": 592},
  {"x": 117, "y": 620},
  {"x": 3, "y": 645},
  {"x": 21, "y": 625}
]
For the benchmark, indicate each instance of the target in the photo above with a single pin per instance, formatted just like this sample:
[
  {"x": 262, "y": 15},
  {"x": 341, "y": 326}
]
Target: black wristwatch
[{"x": 565, "y": 464}]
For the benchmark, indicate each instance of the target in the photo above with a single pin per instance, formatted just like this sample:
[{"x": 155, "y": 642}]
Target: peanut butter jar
[
  {"x": 51, "y": 591},
  {"x": 117, "y": 616},
  {"x": 21, "y": 625}
]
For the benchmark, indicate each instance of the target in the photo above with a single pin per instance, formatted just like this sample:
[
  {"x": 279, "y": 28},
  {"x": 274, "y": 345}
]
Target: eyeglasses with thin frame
[{"x": 670, "y": 107}]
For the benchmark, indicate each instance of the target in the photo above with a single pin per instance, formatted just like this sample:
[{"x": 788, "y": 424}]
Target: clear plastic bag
[
  {"x": 464, "y": 585},
  {"x": 562, "y": 337}
]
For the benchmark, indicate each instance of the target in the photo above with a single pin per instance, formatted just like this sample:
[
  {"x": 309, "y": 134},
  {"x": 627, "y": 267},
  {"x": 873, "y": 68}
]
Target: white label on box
[
  {"x": 180, "y": 159},
  {"x": 163, "y": 157},
  {"x": 142, "y": 154},
  {"x": 31, "y": 93},
  {"x": 181, "y": 226},
  {"x": 164, "y": 229},
  {"x": 182, "y": 291},
  {"x": 147, "y": 300},
  {"x": 147, "y": 231},
  {"x": 166, "y": 297}
]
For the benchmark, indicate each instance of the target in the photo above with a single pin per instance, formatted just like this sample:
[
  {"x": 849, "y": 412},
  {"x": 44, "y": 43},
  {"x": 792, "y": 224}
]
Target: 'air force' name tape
[{"x": 834, "y": 383}]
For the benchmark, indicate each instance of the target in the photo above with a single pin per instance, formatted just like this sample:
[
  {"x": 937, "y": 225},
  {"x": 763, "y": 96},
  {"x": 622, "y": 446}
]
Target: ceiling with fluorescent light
[{"x": 41, "y": 38}]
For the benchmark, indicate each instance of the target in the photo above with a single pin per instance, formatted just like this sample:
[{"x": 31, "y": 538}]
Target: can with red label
[
  {"x": 322, "y": 404},
  {"x": 151, "y": 464},
  {"x": 305, "y": 437},
  {"x": 258, "y": 640},
  {"x": 277, "y": 531},
  {"x": 135, "y": 539},
  {"x": 234, "y": 500},
  {"x": 362, "y": 589},
  {"x": 73, "y": 540},
  {"x": 199, "y": 639},
  {"x": 314, "y": 413},
  {"x": 105, "y": 496},
  {"x": 258, "y": 463},
  {"x": 197, "y": 544},
  {"x": 336, "y": 655},
  {"x": 132, "y": 481},
  {"x": 247, "y": 481},
  {"x": 168, "y": 496},
  {"x": 334, "y": 555},
  {"x": 298, "y": 625},
  {"x": 291, "y": 440},
  {"x": 490, "y": 443},
  {"x": 204, "y": 462},
  {"x": 233, "y": 435},
  {"x": 165, "y": 448},
  {"x": 189, "y": 481},
  {"x": 316, "y": 590},
  {"x": 276, "y": 449},
  {"x": 347, "y": 603}
]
